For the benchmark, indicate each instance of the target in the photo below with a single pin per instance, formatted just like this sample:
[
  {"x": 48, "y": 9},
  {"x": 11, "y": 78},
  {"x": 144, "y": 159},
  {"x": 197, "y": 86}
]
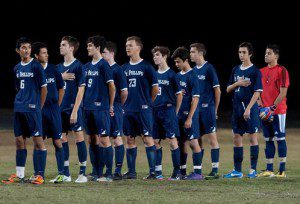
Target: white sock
[{"x": 20, "y": 171}]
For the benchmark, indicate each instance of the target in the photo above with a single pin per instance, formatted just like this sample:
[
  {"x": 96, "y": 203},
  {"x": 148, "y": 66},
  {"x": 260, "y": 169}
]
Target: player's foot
[
  {"x": 212, "y": 175},
  {"x": 182, "y": 176},
  {"x": 107, "y": 178},
  {"x": 266, "y": 173},
  {"x": 13, "y": 179},
  {"x": 160, "y": 177},
  {"x": 117, "y": 176},
  {"x": 252, "y": 174},
  {"x": 67, "y": 178},
  {"x": 58, "y": 179},
  {"x": 195, "y": 176},
  {"x": 38, "y": 180},
  {"x": 151, "y": 176},
  {"x": 233, "y": 174},
  {"x": 280, "y": 174},
  {"x": 174, "y": 177},
  {"x": 81, "y": 179},
  {"x": 92, "y": 177},
  {"x": 129, "y": 175}
]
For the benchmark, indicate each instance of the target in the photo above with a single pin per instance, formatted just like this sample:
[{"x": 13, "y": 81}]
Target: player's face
[
  {"x": 107, "y": 55},
  {"x": 179, "y": 63},
  {"x": 194, "y": 54},
  {"x": 91, "y": 49},
  {"x": 132, "y": 48},
  {"x": 158, "y": 58},
  {"x": 65, "y": 48},
  {"x": 43, "y": 55},
  {"x": 270, "y": 56},
  {"x": 244, "y": 54},
  {"x": 24, "y": 50}
]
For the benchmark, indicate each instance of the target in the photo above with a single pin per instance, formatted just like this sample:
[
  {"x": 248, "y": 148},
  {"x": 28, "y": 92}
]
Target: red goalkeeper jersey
[{"x": 273, "y": 78}]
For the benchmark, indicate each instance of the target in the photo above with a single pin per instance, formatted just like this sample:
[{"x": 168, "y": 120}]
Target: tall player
[
  {"x": 71, "y": 106},
  {"x": 142, "y": 91},
  {"x": 51, "y": 111},
  {"x": 275, "y": 80},
  {"x": 116, "y": 121},
  {"x": 32, "y": 91},
  {"x": 245, "y": 82},
  {"x": 188, "y": 114},
  {"x": 166, "y": 107},
  {"x": 210, "y": 93}
]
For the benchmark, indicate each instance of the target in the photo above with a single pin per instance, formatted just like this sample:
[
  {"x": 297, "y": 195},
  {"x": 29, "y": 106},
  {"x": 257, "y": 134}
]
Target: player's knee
[
  {"x": 148, "y": 141},
  {"x": 173, "y": 143},
  {"x": 20, "y": 143},
  {"x": 118, "y": 141},
  {"x": 157, "y": 143},
  {"x": 64, "y": 139},
  {"x": 195, "y": 145},
  {"x": 57, "y": 144},
  {"x": 105, "y": 141},
  {"x": 238, "y": 140},
  {"x": 39, "y": 143},
  {"x": 253, "y": 140}
]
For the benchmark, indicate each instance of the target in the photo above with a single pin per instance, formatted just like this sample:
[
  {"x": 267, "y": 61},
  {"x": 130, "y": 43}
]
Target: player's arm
[
  {"x": 124, "y": 89},
  {"x": 179, "y": 97},
  {"x": 216, "y": 85},
  {"x": 217, "y": 92},
  {"x": 124, "y": 94},
  {"x": 43, "y": 95},
  {"x": 41, "y": 79},
  {"x": 112, "y": 93},
  {"x": 281, "y": 96},
  {"x": 61, "y": 93},
  {"x": 60, "y": 86},
  {"x": 240, "y": 82},
  {"x": 253, "y": 100},
  {"x": 194, "y": 104}
]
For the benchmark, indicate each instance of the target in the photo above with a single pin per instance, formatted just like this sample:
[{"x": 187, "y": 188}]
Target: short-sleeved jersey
[
  {"x": 208, "y": 80},
  {"x": 54, "y": 83},
  {"x": 244, "y": 94},
  {"x": 98, "y": 75},
  {"x": 168, "y": 88},
  {"x": 71, "y": 86},
  {"x": 30, "y": 77},
  {"x": 141, "y": 77},
  {"x": 120, "y": 81},
  {"x": 190, "y": 88},
  {"x": 274, "y": 78}
]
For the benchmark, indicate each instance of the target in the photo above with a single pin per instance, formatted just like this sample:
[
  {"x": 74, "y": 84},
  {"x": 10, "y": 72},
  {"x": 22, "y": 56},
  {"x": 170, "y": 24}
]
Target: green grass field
[{"x": 262, "y": 190}]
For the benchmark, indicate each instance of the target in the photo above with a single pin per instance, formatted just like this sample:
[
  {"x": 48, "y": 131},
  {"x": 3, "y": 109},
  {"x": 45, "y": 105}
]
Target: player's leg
[
  {"x": 158, "y": 134},
  {"x": 175, "y": 153},
  {"x": 65, "y": 118},
  {"x": 183, "y": 146}
]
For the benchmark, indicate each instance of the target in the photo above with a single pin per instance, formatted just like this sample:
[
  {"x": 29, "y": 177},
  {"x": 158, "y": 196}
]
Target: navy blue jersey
[
  {"x": 98, "y": 75},
  {"x": 208, "y": 80},
  {"x": 120, "y": 81},
  {"x": 190, "y": 88},
  {"x": 168, "y": 88},
  {"x": 140, "y": 79},
  {"x": 71, "y": 86},
  {"x": 244, "y": 94},
  {"x": 54, "y": 82},
  {"x": 30, "y": 77}
]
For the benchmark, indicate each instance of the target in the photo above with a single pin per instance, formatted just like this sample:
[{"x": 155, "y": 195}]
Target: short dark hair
[
  {"x": 111, "y": 47},
  {"x": 37, "y": 46},
  {"x": 182, "y": 53},
  {"x": 22, "y": 40},
  {"x": 98, "y": 41},
  {"x": 137, "y": 39},
  {"x": 162, "y": 49},
  {"x": 249, "y": 46},
  {"x": 73, "y": 42},
  {"x": 200, "y": 47},
  {"x": 274, "y": 47}
]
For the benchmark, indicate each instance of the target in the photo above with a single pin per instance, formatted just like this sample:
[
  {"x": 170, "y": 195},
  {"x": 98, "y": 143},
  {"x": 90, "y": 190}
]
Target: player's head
[
  {"x": 23, "y": 47},
  {"x": 197, "y": 50},
  {"x": 95, "y": 44},
  {"x": 272, "y": 53},
  {"x": 160, "y": 54},
  {"x": 181, "y": 57},
  {"x": 68, "y": 45},
  {"x": 110, "y": 50},
  {"x": 245, "y": 51},
  {"x": 40, "y": 52},
  {"x": 134, "y": 45}
]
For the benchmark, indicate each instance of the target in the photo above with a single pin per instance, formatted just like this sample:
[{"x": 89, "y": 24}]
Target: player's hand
[
  {"x": 111, "y": 111},
  {"x": 244, "y": 82},
  {"x": 73, "y": 118},
  {"x": 266, "y": 114},
  {"x": 188, "y": 123},
  {"x": 247, "y": 114},
  {"x": 68, "y": 76}
]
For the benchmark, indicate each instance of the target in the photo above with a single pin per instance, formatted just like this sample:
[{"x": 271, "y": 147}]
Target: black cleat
[
  {"x": 117, "y": 176},
  {"x": 212, "y": 175},
  {"x": 151, "y": 176},
  {"x": 129, "y": 175}
]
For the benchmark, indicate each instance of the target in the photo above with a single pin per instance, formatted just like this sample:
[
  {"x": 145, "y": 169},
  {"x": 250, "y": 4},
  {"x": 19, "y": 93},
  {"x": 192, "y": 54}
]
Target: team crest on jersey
[
  {"x": 31, "y": 105},
  {"x": 163, "y": 82},
  {"x": 134, "y": 73},
  {"x": 182, "y": 83},
  {"x": 25, "y": 74},
  {"x": 50, "y": 80},
  {"x": 92, "y": 73},
  {"x": 201, "y": 77},
  {"x": 144, "y": 107},
  {"x": 97, "y": 103}
]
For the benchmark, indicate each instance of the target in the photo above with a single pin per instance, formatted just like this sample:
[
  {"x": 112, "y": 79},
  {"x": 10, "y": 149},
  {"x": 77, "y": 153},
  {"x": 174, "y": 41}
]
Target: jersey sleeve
[
  {"x": 59, "y": 80},
  {"x": 258, "y": 83},
  {"x": 231, "y": 78},
  {"x": 122, "y": 79},
  {"x": 176, "y": 84},
  {"x": 80, "y": 75},
  {"x": 151, "y": 75},
  {"x": 195, "y": 91},
  {"x": 107, "y": 73},
  {"x": 39, "y": 72},
  {"x": 284, "y": 78},
  {"x": 213, "y": 77}
]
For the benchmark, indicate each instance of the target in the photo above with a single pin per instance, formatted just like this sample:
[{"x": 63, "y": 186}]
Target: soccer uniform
[
  {"x": 242, "y": 97},
  {"x": 208, "y": 80},
  {"x": 51, "y": 112}
]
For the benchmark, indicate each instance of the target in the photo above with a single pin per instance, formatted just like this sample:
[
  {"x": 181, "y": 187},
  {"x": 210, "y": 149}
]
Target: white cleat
[
  {"x": 81, "y": 179},
  {"x": 67, "y": 178}
]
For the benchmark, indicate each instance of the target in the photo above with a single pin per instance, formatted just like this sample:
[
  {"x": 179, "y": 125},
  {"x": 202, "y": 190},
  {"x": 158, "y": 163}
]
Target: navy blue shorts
[
  {"x": 52, "y": 126},
  {"x": 116, "y": 122},
  {"x": 28, "y": 124},
  {"x": 276, "y": 129},
  {"x": 189, "y": 133},
  {"x": 138, "y": 123},
  {"x": 97, "y": 122},
  {"x": 207, "y": 120},
  {"x": 165, "y": 123},
  {"x": 67, "y": 126},
  {"x": 242, "y": 126}
]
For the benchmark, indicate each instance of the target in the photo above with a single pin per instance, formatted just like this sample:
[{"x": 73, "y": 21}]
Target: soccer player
[
  {"x": 32, "y": 91},
  {"x": 142, "y": 91},
  {"x": 209, "y": 100},
  {"x": 166, "y": 107},
  {"x": 245, "y": 83},
  {"x": 51, "y": 112},
  {"x": 275, "y": 80},
  {"x": 188, "y": 114},
  {"x": 116, "y": 121},
  {"x": 98, "y": 105},
  {"x": 71, "y": 106}
]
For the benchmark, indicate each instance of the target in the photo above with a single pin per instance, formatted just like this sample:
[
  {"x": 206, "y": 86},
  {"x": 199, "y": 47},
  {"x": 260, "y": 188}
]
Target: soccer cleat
[
  {"x": 266, "y": 174},
  {"x": 151, "y": 176},
  {"x": 252, "y": 174},
  {"x": 105, "y": 179},
  {"x": 58, "y": 179},
  {"x": 212, "y": 175},
  {"x": 67, "y": 178},
  {"x": 37, "y": 180},
  {"x": 195, "y": 176},
  {"x": 233, "y": 174},
  {"x": 280, "y": 174},
  {"x": 182, "y": 176},
  {"x": 13, "y": 179},
  {"x": 81, "y": 179},
  {"x": 174, "y": 177},
  {"x": 129, "y": 175},
  {"x": 160, "y": 177},
  {"x": 117, "y": 176}
]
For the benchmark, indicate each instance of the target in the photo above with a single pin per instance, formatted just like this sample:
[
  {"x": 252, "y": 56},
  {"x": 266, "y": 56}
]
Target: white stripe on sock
[
  {"x": 82, "y": 163},
  {"x": 197, "y": 167},
  {"x": 66, "y": 163},
  {"x": 215, "y": 164},
  {"x": 183, "y": 167},
  {"x": 282, "y": 159},
  {"x": 270, "y": 161},
  {"x": 20, "y": 171},
  {"x": 158, "y": 168}
]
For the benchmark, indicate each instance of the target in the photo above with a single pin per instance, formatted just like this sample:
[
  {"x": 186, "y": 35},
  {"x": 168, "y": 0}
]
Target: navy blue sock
[
  {"x": 158, "y": 166},
  {"x": 21, "y": 155},
  {"x": 109, "y": 159},
  {"x": 254, "y": 150},
  {"x": 183, "y": 158},
  {"x": 282, "y": 150},
  {"x": 93, "y": 153},
  {"x": 82, "y": 156},
  {"x": 151, "y": 152},
  {"x": 59, "y": 154},
  {"x": 176, "y": 160},
  {"x": 197, "y": 161},
  {"x": 119, "y": 157},
  {"x": 131, "y": 158},
  {"x": 66, "y": 158},
  {"x": 41, "y": 161},
  {"x": 215, "y": 155},
  {"x": 270, "y": 153},
  {"x": 100, "y": 162},
  {"x": 238, "y": 156},
  {"x": 35, "y": 162}
]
